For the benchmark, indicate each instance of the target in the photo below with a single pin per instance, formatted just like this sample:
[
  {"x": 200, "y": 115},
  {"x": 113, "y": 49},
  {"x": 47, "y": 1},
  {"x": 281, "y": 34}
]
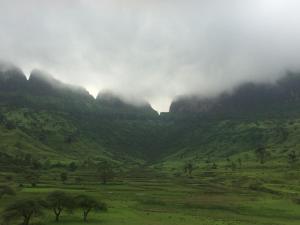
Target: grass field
[{"x": 241, "y": 197}]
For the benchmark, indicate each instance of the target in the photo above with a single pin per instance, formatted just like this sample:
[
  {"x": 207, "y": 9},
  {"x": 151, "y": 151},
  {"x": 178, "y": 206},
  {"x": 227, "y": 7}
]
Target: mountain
[
  {"x": 53, "y": 120},
  {"x": 246, "y": 99},
  {"x": 11, "y": 78},
  {"x": 67, "y": 120}
]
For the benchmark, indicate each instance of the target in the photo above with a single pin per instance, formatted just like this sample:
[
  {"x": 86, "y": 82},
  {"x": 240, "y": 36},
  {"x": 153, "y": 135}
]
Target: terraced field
[{"x": 227, "y": 198}]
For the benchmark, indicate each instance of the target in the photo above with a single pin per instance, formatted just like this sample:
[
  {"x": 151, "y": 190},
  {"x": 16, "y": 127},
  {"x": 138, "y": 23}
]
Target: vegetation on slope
[{"x": 226, "y": 167}]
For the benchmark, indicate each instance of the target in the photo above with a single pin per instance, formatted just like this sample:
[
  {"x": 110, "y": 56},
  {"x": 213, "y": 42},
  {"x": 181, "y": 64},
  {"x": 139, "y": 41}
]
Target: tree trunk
[
  {"x": 57, "y": 214},
  {"x": 56, "y": 217},
  {"x": 85, "y": 214},
  {"x": 26, "y": 220}
]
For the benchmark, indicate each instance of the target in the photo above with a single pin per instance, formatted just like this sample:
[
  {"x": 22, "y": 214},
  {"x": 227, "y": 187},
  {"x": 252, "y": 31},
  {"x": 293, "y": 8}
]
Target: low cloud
[{"x": 154, "y": 50}]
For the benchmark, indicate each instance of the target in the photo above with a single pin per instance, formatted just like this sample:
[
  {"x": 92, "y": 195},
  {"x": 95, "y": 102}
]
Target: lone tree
[
  {"x": 262, "y": 154},
  {"x": 23, "y": 209},
  {"x": 188, "y": 168},
  {"x": 87, "y": 204},
  {"x": 214, "y": 166},
  {"x": 6, "y": 190},
  {"x": 292, "y": 158},
  {"x": 59, "y": 201},
  {"x": 64, "y": 177},
  {"x": 72, "y": 166},
  {"x": 32, "y": 177},
  {"x": 233, "y": 166},
  {"x": 105, "y": 171},
  {"x": 240, "y": 162}
]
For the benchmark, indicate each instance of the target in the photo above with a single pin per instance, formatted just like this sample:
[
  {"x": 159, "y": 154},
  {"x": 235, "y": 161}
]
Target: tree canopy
[
  {"x": 87, "y": 203},
  {"x": 59, "y": 201},
  {"x": 23, "y": 210}
]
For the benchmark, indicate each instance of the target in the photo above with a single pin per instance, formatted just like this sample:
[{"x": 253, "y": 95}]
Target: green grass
[
  {"x": 159, "y": 193},
  {"x": 224, "y": 198}
]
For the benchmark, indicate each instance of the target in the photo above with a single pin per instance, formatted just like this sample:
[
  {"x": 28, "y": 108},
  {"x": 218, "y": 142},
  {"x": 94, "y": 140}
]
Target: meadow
[
  {"x": 266, "y": 195},
  {"x": 236, "y": 165}
]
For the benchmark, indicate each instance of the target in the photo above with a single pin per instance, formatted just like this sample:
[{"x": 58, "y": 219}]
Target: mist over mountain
[
  {"x": 246, "y": 98},
  {"x": 11, "y": 78},
  {"x": 41, "y": 82},
  {"x": 144, "y": 48},
  {"x": 45, "y": 91},
  {"x": 111, "y": 100},
  {"x": 139, "y": 112},
  {"x": 67, "y": 118},
  {"x": 70, "y": 119}
]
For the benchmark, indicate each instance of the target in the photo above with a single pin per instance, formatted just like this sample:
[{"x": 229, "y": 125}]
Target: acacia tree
[
  {"x": 87, "y": 204},
  {"x": 233, "y": 166},
  {"x": 105, "y": 171},
  {"x": 292, "y": 158},
  {"x": 64, "y": 177},
  {"x": 214, "y": 166},
  {"x": 59, "y": 201},
  {"x": 262, "y": 154},
  {"x": 189, "y": 168},
  {"x": 72, "y": 166},
  {"x": 240, "y": 162},
  {"x": 6, "y": 190},
  {"x": 32, "y": 177},
  {"x": 23, "y": 209}
]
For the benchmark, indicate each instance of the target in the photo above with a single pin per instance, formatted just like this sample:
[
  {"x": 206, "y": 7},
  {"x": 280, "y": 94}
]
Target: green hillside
[
  {"x": 43, "y": 116},
  {"x": 228, "y": 160}
]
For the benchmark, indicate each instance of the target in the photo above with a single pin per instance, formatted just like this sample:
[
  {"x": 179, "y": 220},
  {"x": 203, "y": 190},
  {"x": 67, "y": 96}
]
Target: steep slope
[
  {"x": 46, "y": 117},
  {"x": 252, "y": 116},
  {"x": 68, "y": 120}
]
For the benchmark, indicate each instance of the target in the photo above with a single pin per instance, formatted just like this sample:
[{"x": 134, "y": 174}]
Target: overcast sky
[{"x": 153, "y": 49}]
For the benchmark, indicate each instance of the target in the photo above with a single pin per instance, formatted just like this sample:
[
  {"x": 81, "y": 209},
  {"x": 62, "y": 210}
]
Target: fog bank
[{"x": 153, "y": 50}]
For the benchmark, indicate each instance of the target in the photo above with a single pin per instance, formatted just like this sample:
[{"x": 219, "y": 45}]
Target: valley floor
[{"x": 209, "y": 198}]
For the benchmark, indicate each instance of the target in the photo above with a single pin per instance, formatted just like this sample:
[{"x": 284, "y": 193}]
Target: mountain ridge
[
  {"x": 247, "y": 97},
  {"x": 68, "y": 122},
  {"x": 42, "y": 84}
]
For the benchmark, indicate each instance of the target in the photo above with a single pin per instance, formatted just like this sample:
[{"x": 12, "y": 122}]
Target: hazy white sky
[{"x": 155, "y": 50}]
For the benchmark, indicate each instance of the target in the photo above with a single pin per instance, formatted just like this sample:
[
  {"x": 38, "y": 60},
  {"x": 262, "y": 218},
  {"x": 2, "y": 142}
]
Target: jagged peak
[
  {"x": 46, "y": 78},
  {"x": 9, "y": 70},
  {"x": 6, "y": 66},
  {"x": 42, "y": 76}
]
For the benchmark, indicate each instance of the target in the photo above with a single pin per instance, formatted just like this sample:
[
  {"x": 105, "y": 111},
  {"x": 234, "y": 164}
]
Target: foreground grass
[{"x": 203, "y": 200}]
